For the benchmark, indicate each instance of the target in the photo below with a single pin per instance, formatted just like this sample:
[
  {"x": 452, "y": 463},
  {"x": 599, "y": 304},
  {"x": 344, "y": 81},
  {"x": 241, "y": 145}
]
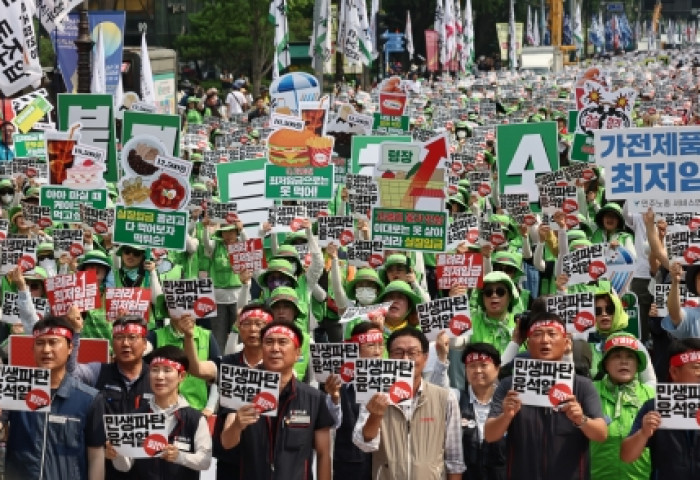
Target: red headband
[
  {"x": 282, "y": 330},
  {"x": 627, "y": 342},
  {"x": 256, "y": 313},
  {"x": 168, "y": 363},
  {"x": 544, "y": 324},
  {"x": 130, "y": 328},
  {"x": 477, "y": 357},
  {"x": 686, "y": 357},
  {"x": 58, "y": 331},
  {"x": 371, "y": 336}
]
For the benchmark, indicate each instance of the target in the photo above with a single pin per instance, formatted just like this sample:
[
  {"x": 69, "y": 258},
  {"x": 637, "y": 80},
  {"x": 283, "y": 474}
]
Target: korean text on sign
[
  {"x": 459, "y": 269},
  {"x": 240, "y": 386},
  {"x": 533, "y": 379},
  {"x": 378, "y": 375},
  {"x": 23, "y": 388},
  {"x": 79, "y": 289},
  {"x": 329, "y": 358},
  {"x": 450, "y": 314},
  {"x": 678, "y": 404},
  {"x": 128, "y": 433}
]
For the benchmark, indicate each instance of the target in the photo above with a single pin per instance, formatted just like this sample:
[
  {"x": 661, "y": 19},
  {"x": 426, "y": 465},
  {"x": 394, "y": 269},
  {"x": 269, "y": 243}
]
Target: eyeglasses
[
  {"x": 259, "y": 324},
  {"x": 499, "y": 291},
  {"x": 609, "y": 309},
  {"x": 509, "y": 269},
  {"x": 411, "y": 354},
  {"x": 132, "y": 251},
  {"x": 131, "y": 337}
]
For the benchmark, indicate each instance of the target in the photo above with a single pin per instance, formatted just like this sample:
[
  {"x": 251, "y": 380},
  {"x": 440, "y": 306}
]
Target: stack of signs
[
  {"x": 27, "y": 389},
  {"x": 651, "y": 168},
  {"x": 555, "y": 199},
  {"x": 464, "y": 228},
  {"x": 190, "y": 297},
  {"x": 380, "y": 375},
  {"x": 247, "y": 255},
  {"x": 449, "y": 314},
  {"x": 17, "y": 251},
  {"x": 363, "y": 194},
  {"x": 10, "y": 307},
  {"x": 135, "y": 301},
  {"x": 463, "y": 269},
  {"x": 661, "y": 291},
  {"x": 336, "y": 229},
  {"x": 137, "y": 435},
  {"x": 390, "y": 120},
  {"x": 76, "y": 175},
  {"x": 68, "y": 242},
  {"x": 285, "y": 219},
  {"x": 411, "y": 213},
  {"x": 239, "y": 386},
  {"x": 598, "y": 261},
  {"x": 223, "y": 213},
  {"x": 299, "y": 155},
  {"x": 577, "y": 309},
  {"x": 678, "y": 404},
  {"x": 79, "y": 289},
  {"x": 155, "y": 189},
  {"x": 34, "y": 214},
  {"x": 363, "y": 253},
  {"x": 367, "y": 313},
  {"x": 541, "y": 383},
  {"x": 98, "y": 220},
  {"x": 31, "y": 167},
  {"x": 334, "y": 359}
]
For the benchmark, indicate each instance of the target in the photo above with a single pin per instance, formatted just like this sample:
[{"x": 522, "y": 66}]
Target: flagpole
[
  {"x": 84, "y": 45},
  {"x": 318, "y": 58}
]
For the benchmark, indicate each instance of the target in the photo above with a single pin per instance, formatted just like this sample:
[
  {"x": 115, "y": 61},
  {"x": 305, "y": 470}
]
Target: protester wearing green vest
[
  {"x": 196, "y": 391},
  {"x": 621, "y": 396},
  {"x": 95, "y": 324},
  {"x": 402, "y": 311},
  {"x": 285, "y": 307},
  {"x": 611, "y": 228}
]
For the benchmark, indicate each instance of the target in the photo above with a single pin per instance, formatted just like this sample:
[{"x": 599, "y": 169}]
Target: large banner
[
  {"x": 66, "y": 51},
  {"x": 112, "y": 25}
]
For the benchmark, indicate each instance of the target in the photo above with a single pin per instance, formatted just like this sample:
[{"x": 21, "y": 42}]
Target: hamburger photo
[{"x": 288, "y": 147}]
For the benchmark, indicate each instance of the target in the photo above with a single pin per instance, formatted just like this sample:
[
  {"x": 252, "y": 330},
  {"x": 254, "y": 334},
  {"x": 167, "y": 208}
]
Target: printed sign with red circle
[
  {"x": 484, "y": 189},
  {"x": 296, "y": 224},
  {"x": 399, "y": 392},
  {"x": 559, "y": 393},
  {"x": 694, "y": 223},
  {"x": 473, "y": 235},
  {"x": 346, "y": 237},
  {"x": 322, "y": 213},
  {"x": 376, "y": 260},
  {"x": 571, "y": 221},
  {"x": 31, "y": 172},
  {"x": 588, "y": 174},
  {"x": 154, "y": 444},
  {"x": 26, "y": 263},
  {"x": 3, "y": 235},
  {"x": 100, "y": 227},
  {"x": 569, "y": 205},
  {"x": 596, "y": 269},
  {"x": 460, "y": 324},
  {"x": 76, "y": 250},
  {"x": 469, "y": 167},
  {"x": 583, "y": 321},
  {"x": 457, "y": 167},
  {"x": 561, "y": 183},
  {"x": 37, "y": 399},
  {"x": 691, "y": 303},
  {"x": 264, "y": 402},
  {"x": 497, "y": 239},
  {"x": 529, "y": 219},
  {"x": 691, "y": 254},
  {"x": 347, "y": 372},
  {"x": 452, "y": 190},
  {"x": 231, "y": 218},
  {"x": 204, "y": 306},
  {"x": 44, "y": 222}
]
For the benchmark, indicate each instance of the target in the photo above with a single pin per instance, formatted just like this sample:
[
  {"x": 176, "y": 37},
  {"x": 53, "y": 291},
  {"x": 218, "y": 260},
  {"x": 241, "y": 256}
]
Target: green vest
[
  {"x": 605, "y": 456},
  {"x": 322, "y": 310},
  {"x": 498, "y": 337},
  {"x": 145, "y": 282},
  {"x": 195, "y": 390},
  {"x": 95, "y": 324},
  {"x": 302, "y": 363},
  {"x": 599, "y": 237},
  {"x": 202, "y": 261},
  {"x": 220, "y": 270}
]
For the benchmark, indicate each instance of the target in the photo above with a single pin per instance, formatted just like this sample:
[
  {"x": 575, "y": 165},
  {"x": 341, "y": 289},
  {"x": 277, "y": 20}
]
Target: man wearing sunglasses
[{"x": 542, "y": 443}]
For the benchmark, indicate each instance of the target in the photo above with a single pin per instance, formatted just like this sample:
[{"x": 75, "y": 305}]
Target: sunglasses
[
  {"x": 499, "y": 291},
  {"x": 35, "y": 285},
  {"x": 509, "y": 269},
  {"x": 7, "y": 192},
  {"x": 609, "y": 309},
  {"x": 132, "y": 251}
]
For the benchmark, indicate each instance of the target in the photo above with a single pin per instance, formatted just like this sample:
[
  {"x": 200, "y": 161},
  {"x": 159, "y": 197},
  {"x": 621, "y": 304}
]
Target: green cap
[
  {"x": 579, "y": 243},
  {"x": 366, "y": 274},
  {"x": 95, "y": 257},
  {"x": 287, "y": 294},
  {"x": 572, "y": 235},
  {"x": 290, "y": 254},
  {"x": 6, "y": 183},
  {"x": 627, "y": 341},
  {"x": 44, "y": 246},
  {"x": 196, "y": 157},
  {"x": 511, "y": 259},
  {"x": 38, "y": 273},
  {"x": 500, "y": 277},
  {"x": 278, "y": 265},
  {"x": 610, "y": 207},
  {"x": 401, "y": 287}
]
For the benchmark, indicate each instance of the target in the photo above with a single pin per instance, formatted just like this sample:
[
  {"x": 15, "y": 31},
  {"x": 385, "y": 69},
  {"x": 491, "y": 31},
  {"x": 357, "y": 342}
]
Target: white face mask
[
  {"x": 49, "y": 265},
  {"x": 7, "y": 198},
  {"x": 366, "y": 295},
  {"x": 461, "y": 134}
]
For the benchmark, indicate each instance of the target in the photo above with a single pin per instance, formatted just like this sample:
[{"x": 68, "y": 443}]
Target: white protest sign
[
  {"x": 68, "y": 242},
  {"x": 287, "y": 121},
  {"x": 137, "y": 435},
  {"x": 683, "y": 247},
  {"x": 23, "y": 388},
  {"x": 678, "y": 404},
  {"x": 239, "y": 386},
  {"x": 10, "y": 307},
  {"x": 17, "y": 251},
  {"x": 541, "y": 383},
  {"x": 333, "y": 358},
  {"x": 285, "y": 219},
  {"x": 335, "y": 229},
  {"x": 381, "y": 375},
  {"x": 365, "y": 313},
  {"x": 661, "y": 291},
  {"x": 193, "y": 297},
  {"x": 464, "y": 228},
  {"x": 449, "y": 314},
  {"x": 363, "y": 253},
  {"x": 577, "y": 309}
]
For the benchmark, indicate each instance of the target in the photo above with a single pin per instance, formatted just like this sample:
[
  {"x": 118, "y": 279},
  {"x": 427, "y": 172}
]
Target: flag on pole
[
  {"x": 440, "y": 29},
  {"x": 353, "y": 33},
  {"x": 536, "y": 30},
  {"x": 20, "y": 57},
  {"x": 459, "y": 37},
  {"x": 320, "y": 46},
  {"x": 449, "y": 21},
  {"x": 148, "y": 88},
  {"x": 512, "y": 56},
  {"x": 118, "y": 98},
  {"x": 578, "y": 30},
  {"x": 278, "y": 17},
  {"x": 601, "y": 29},
  {"x": 529, "y": 33},
  {"x": 408, "y": 35},
  {"x": 468, "y": 52},
  {"x": 373, "y": 28},
  {"x": 99, "y": 79}
]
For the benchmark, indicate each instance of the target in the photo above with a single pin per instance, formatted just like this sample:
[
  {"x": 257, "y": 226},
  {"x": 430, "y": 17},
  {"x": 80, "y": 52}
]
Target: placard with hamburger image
[{"x": 392, "y": 105}]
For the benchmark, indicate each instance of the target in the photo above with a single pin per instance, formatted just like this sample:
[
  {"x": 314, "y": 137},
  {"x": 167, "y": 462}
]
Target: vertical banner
[
  {"x": 66, "y": 51},
  {"x": 431, "y": 50},
  {"x": 112, "y": 25}
]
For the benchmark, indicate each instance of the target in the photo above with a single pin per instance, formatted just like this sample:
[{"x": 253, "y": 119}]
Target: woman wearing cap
[
  {"x": 21, "y": 226},
  {"x": 398, "y": 266},
  {"x": 8, "y": 197},
  {"x": 192, "y": 115},
  {"x": 402, "y": 311},
  {"x": 621, "y": 396},
  {"x": 365, "y": 289},
  {"x": 611, "y": 228},
  {"x": 95, "y": 321},
  {"x": 137, "y": 270},
  {"x": 189, "y": 445},
  {"x": 511, "y": 264}
]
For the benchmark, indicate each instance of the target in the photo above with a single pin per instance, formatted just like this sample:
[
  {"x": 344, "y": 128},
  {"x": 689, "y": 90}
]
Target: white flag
[
  {"x": 535, "y": 30},
  {"x": 52, "y": 13},
  {"x": 468, "y": 52},
  {"x": 118, "y": 98},
  {"x": 459, "y": 37},
  {"x": 148, "y": 88},
  {"x": 353, "y": 33},
  {"x": 320, "y": 46},
  {"x": 99, "y": 79},
  {"x": 512, "y": 56},
  {"x": 440, "y": 29},
  {"x": 450, "y": 30},
  {"x": 578, "y": 29},
  {"x": 408, "y": 34},
  {"x": 373, "y": 28},
  {"x": 20, "y": 57},
  {"x": 278, "y": 17}
]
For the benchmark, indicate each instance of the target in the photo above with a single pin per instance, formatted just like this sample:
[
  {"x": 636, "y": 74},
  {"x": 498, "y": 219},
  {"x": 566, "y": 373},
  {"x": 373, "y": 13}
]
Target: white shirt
[{"x": 234, "y": 102}]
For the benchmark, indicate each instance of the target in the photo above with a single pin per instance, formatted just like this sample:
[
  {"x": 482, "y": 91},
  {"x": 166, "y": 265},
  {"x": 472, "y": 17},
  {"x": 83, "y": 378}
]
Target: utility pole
[{"x": 84, "y": 45}]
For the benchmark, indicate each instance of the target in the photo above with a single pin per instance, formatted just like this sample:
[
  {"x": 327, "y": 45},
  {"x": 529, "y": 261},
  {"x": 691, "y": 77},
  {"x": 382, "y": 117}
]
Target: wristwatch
[{"x": 584, "y": 420}]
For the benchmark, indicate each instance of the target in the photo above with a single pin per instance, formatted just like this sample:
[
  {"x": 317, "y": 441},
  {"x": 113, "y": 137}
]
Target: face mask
[
  {"x": 366, "y": 295},
  {"x": 7, "y": 198},
  {"x": 461, "y": 134},
  {"x": 49, "y": 265},
  {"x": 278, "y": 282}
]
